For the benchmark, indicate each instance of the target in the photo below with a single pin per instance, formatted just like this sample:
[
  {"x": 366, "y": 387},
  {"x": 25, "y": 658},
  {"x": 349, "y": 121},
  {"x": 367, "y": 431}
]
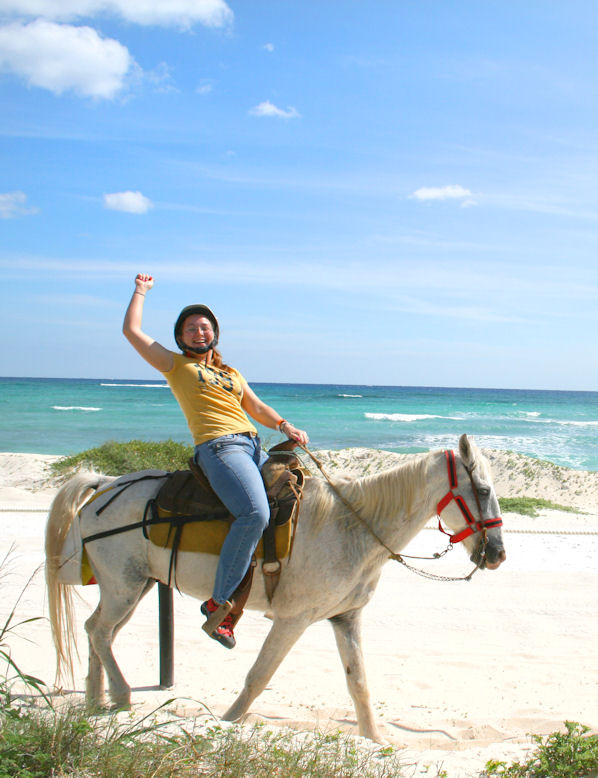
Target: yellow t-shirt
[{"x": 209, "y": 397}]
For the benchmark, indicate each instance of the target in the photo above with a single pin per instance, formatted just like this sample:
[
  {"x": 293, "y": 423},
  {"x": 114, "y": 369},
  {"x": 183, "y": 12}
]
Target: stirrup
[{"x": 216, "y": 618}]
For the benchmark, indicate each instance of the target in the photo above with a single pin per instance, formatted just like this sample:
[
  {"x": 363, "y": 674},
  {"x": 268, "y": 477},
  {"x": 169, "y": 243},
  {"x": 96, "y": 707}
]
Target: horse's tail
[{"x": 63, "y": 510}]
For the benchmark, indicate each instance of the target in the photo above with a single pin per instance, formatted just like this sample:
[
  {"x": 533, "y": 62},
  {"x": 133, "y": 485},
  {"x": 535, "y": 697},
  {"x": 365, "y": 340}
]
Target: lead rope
[{"x": 393, "y": 555}]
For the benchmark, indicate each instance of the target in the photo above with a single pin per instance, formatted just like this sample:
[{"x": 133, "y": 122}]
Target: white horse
[{"x": 344, "y": 536}]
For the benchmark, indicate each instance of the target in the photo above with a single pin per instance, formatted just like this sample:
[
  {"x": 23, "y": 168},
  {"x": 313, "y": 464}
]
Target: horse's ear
[{"x": 467, "y": 452}]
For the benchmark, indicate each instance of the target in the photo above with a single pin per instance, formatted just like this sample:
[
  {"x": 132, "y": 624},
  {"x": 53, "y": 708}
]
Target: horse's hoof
[
  {"x": 116, "y": 707},
  {"x": 96, "y": 707}
]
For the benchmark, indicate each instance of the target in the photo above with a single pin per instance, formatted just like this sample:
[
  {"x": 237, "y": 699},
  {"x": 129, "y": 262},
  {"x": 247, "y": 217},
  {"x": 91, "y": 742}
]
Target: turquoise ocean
[{"x": 64, "y": 416}]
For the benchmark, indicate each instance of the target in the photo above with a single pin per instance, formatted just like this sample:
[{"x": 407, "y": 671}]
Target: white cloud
[
  {"x": 205, "y": 87},
  {"x": 161, "y": 78},
  {"x": 181, "y": 13},
  {"x": 60, "y": 58},
  {"x": 451, "y": 192},
  {"x": 128, "y": 202},
  {"x": 269, "y": 47},
  {"x": 269, "y": 109},
  {"x": 13, "y": 204}
]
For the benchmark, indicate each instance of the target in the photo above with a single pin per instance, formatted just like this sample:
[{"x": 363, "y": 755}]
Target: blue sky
[{"x": 398, "y": 192}]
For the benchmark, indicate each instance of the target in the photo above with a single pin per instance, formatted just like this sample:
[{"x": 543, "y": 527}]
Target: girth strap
[{"x": 145, "y": 522}]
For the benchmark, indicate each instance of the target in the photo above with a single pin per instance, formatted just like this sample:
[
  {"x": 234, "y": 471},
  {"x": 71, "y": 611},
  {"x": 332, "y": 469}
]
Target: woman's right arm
[{"x": 157, "y": 356}]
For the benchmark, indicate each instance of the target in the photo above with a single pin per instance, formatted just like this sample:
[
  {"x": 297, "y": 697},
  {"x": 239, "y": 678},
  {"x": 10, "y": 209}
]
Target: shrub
[
  {"x": 573, "y": 754},
  {"x": 529, "y": 506},
  {"x": 113, "y": 458}
]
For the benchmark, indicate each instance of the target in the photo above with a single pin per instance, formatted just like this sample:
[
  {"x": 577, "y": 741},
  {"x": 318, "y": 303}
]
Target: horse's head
[{"x": 470, "y": 507}]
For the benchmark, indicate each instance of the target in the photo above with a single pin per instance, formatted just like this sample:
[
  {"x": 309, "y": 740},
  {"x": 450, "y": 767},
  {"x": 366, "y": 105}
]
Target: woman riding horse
[{"x": 215, "y": 400}]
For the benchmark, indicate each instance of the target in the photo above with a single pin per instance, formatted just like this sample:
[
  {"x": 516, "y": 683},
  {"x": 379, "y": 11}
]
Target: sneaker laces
[{"x": 226, "y": 627}]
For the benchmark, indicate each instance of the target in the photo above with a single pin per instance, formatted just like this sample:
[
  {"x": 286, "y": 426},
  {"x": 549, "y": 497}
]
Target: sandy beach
[{"x": 459, "y": 672}]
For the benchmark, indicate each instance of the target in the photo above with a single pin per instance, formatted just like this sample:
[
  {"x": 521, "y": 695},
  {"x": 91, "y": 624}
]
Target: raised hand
[{"x": 143, "y": 282}]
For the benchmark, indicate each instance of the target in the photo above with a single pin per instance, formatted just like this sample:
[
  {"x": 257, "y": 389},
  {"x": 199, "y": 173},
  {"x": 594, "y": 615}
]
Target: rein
[{"x": 473, "y": 525}]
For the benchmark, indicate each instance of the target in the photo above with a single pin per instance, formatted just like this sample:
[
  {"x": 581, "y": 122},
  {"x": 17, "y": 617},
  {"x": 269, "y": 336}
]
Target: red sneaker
[{"x": 224, "y": 631}]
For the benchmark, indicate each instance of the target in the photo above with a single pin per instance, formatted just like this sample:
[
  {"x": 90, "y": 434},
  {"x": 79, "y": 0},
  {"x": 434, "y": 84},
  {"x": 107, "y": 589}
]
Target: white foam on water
[
  {"x": 399, "y": 416},
  {"x": 406, "y": 417},
  {"x": 566, "y": 422},
  {"x": 74, "y": 408}
]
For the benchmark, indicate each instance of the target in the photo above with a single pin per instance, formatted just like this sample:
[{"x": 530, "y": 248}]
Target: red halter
[{"x": 473, "y": 525}]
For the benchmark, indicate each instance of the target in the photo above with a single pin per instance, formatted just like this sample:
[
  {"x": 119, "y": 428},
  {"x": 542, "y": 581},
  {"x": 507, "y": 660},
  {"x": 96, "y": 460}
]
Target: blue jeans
[{"x": 232, "y": 465}]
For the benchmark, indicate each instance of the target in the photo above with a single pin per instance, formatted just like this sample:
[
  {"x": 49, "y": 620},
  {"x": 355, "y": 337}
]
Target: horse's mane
[{"x": 372, "y": 496}]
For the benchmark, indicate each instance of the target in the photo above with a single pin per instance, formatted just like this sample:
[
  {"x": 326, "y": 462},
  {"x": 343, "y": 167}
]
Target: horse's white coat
[{"x": 333, "y": 572}]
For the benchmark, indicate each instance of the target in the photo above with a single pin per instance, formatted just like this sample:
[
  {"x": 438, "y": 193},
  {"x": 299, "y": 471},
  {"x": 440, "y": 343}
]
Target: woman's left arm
[{"x": 267, "y": 416}]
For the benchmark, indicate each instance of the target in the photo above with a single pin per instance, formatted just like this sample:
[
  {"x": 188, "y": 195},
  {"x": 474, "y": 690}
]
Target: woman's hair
[{"x": 217, "y": 360}]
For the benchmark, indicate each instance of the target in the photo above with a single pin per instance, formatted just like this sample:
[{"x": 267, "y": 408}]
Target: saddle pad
[
  {"x": 207, "y": 537},
  {"x": 201, "y": 522},
  {"x": 87, "y": 574}
]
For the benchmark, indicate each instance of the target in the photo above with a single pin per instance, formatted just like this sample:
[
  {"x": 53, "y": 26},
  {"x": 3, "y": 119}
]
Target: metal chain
[{"x": 433, "y": 576}]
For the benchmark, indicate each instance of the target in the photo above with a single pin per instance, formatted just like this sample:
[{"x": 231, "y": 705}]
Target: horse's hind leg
[
  {"x": 148, "y": 585},
  {"x": 94, "y": 683},
  {"x": 347, "y": 631},
  {"x": 110, "y": 616},
  {"x": 282, "y": 636}
]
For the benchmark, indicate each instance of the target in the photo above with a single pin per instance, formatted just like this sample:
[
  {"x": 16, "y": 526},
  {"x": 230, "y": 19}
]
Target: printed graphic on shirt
[{"x": 214, "y": 377}]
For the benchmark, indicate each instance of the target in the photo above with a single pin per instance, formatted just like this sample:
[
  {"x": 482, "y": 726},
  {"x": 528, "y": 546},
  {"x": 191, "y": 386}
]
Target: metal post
[{"x": 166, "y": 619}]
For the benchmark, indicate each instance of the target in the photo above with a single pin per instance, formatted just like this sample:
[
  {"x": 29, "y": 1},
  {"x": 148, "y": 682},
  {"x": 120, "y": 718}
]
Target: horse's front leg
[
  {"x": 282, "y": 636},
  {"x": 347, "y": 631}
]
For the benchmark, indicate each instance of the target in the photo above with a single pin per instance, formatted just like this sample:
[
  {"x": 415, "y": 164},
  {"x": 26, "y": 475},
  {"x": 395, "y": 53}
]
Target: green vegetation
[
  {"x": 529, "y": 506},
  {"x": 113, "y": 458},
  {"x": 7, "y": 630},
  {"x": 38, "y": 743},
  {"x": 35, "y": 745},
  {"x": 573, "y": 754}
]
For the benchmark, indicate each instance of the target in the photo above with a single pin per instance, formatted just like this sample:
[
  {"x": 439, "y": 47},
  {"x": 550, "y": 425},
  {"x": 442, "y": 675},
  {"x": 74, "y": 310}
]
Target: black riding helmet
[{"x": 196, "y": 310}]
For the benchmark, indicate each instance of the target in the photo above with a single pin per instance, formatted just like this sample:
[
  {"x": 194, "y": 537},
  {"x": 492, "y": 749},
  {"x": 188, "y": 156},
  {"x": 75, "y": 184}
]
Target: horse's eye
[{"x": 484, "y": 491}]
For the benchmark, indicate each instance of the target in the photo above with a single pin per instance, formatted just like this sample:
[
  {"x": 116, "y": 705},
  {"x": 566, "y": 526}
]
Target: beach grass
[
  {"x": 530, "y": 506},
  {"x": 112, "y": 458},
  {"x": 71, "y": 743},
  {"x": 36, "y": 743}
]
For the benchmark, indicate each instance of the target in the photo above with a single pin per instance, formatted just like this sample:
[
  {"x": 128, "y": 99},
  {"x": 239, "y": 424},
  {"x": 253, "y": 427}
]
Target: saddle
[{"x": 187, "y": 515}]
